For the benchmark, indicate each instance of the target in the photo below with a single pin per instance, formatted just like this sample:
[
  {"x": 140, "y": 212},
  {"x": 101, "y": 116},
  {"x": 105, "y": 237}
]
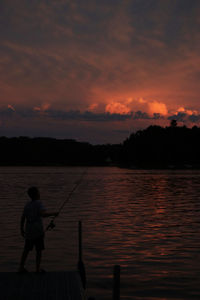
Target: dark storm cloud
[
  {"x": 181, "y": 117},
  {"x": 194, "y": 118},
  {"x": 184, "y": 117},
  {"x": 61, "y": 115},
  {"x": 87, "y": 116},
  {"x": 140, "y": 115},
  {"x": 76, "y": 115}
]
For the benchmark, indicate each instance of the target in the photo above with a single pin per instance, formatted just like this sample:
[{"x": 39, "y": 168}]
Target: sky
[{"x": 98, "y": 70}]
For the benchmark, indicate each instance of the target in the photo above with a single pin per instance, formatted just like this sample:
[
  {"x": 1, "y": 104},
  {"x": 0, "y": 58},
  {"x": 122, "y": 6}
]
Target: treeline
[
  {"x": 154, "y": 147},
  {"x": 50, "y": 151},
  {"x": 158, "y": 147}
]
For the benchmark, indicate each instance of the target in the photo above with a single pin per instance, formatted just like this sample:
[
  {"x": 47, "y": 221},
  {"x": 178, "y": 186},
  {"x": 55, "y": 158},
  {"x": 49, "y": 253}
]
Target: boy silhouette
[{"x": 33, "y": 234}]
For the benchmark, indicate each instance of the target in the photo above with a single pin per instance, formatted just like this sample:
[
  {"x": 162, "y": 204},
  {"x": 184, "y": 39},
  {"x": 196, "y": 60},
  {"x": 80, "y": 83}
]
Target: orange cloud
[
  {"x": 157, "y": 107},
  {"x": 11, "y": 107},
  {"x": 42, "y": 108},
  {"x": 142, "y": 101},
  {"x": 92, "y": 106},
  {"x": 187, "y": 111},
  {"x": 117, "y": 108}
]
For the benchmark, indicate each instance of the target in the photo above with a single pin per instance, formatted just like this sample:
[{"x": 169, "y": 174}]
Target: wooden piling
[
  {"x": 80, "y": 240},
  {"x": 81, "y": 267},
  {"x": 116, "y": 282}
]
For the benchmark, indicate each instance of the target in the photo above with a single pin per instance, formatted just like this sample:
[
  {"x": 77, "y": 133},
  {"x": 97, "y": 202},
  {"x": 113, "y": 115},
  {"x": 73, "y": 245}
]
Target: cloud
[
  {"x": 187, "y": 111},
  {"x": 149, "y": 106},
  {"x": 117, "y": 108},
  {"x": 141, "y": 115},
  {"x": 186, "y": 118},
  {"x": 181, "y": 117},
  {"x": 74, "y": 52},
  {"x": 115, "y": 112},
  {"x": 77, "y": 124},
  {"x": 185, "y": 115},
  {"x": 11, "y": 107},
  {"x": 45, "y": 112},
  {"x": 44, "y": 107},
  {"x": 7, "y": 112},
  {"x": 194, "y": 118},
  {"x": 85, "y": 59},
  {"x": 88, "y": 116},
  {"x": 157, "y": 107},
  {"x": 92, "y": 107}
]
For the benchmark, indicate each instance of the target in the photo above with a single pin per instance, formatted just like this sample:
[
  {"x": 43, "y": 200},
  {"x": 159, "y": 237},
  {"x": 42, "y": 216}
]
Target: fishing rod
[{"x": 51, "y": 224}]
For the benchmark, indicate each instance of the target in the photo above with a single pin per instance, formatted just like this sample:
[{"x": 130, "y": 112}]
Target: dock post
[
  {"x": 81, "y": 267},
  {"x": 116, "y": 282},
  {"x": 80, "y": 252}
]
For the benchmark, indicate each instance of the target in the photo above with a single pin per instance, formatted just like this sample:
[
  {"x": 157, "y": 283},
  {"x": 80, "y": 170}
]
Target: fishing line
[{"x": 51, "y": 224}]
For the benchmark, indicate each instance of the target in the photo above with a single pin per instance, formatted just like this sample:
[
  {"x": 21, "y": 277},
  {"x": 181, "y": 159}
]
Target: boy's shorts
[{"x": 38, "y": 243}]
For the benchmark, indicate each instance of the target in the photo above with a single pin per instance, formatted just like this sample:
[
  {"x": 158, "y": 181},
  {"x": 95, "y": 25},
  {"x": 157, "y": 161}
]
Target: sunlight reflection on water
[{"x": 146, "y": 221}]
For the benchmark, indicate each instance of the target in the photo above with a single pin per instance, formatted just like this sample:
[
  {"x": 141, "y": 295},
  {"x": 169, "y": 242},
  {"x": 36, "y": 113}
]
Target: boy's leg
[
  {"x": 27, "y": 248},
  {"x": 39, "y": 246},
  {"x": 23, "y": 259},
  {"x": 38, "y": 259}
]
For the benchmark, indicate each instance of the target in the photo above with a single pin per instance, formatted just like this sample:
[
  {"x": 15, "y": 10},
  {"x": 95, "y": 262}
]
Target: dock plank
[{"x": 47, "y": 286}]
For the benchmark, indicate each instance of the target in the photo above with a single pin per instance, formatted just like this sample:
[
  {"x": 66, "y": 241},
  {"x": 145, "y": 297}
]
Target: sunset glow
[
  {"x": 63, "y": 61},
  {"x": 157, "y": 107},
  {"x": 117, "y": 108}
]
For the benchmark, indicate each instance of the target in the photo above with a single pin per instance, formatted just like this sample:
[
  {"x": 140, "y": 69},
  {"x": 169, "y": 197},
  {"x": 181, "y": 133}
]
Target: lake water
[{"x": 146, "y": 221}]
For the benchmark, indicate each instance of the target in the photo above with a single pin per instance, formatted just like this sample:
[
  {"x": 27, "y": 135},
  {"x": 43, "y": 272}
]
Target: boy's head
[{"x": 33, "y": 193}]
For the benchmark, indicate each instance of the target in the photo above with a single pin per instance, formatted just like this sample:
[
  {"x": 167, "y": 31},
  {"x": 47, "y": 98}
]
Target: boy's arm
[{"x": 22, "y": 225}]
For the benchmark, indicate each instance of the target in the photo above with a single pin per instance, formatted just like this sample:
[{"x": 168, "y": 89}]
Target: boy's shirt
[{"x": 34, "y": 225}]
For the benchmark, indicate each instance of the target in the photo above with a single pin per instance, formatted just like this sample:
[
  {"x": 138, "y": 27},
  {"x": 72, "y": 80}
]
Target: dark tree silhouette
[
  {"x": 153, "y": 147},
  {"x": 173, "y": 123},
  {"x": 158, "y": 147}
]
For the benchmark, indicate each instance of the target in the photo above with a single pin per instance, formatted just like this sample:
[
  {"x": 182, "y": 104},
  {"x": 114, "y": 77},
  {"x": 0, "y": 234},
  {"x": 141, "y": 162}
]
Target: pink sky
[{"x": 61, "y": 59}]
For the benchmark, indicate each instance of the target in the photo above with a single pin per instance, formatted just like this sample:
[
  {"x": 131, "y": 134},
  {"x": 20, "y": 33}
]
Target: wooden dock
[{"x": 43, "y": 286}]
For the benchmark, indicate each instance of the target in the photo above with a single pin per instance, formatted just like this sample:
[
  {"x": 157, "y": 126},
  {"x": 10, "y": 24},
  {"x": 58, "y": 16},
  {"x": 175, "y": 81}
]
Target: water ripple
[{"x": 146, "y": 221}]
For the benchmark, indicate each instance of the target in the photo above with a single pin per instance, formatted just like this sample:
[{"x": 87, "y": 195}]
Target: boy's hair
[{"x": 33, "y": 192}]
